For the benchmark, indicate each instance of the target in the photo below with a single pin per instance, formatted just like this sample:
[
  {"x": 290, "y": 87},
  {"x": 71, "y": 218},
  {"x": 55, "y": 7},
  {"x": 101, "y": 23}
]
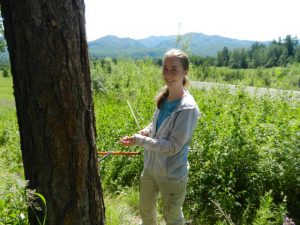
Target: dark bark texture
[{"x": 50, "y": 66}]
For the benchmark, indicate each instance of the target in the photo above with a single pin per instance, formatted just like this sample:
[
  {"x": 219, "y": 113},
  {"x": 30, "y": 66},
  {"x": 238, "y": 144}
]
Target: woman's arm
[
  {"x": 130, "y": 140},
  {"x": 181, "y": 134}
]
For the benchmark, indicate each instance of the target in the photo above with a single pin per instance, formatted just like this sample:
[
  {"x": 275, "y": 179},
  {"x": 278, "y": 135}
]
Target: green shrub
[
  {"x": 268, "y": 212},
  {"x": 242, "y": 148},
  {"x": 6, "y": 73}
]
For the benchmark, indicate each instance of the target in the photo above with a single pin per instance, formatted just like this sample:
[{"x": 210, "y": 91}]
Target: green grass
[
  {"x": 122, "y": 207},
  {"x": 12, "y": 193},
  {"x": 6, "y": 93},
  {"x": 6, "y": 88}
]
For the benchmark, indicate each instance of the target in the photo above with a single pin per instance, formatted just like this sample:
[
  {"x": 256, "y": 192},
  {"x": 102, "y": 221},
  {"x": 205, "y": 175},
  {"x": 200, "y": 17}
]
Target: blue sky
[{"x": 259, "y": 20}]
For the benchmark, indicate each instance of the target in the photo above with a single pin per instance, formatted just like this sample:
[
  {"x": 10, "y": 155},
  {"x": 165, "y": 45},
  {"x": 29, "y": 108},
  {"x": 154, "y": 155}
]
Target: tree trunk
[{"x": 50, "y": 66}]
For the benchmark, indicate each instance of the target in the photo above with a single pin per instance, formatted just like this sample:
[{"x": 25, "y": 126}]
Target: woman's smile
[{"x": 168, "y": 82}]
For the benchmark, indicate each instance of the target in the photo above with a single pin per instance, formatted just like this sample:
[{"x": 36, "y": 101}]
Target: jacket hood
[{"x": 187, "y": 102}]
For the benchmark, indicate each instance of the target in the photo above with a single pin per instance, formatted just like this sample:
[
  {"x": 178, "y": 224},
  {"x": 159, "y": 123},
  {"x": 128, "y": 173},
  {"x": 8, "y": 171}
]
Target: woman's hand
[
  {"x": 128, "y": 141},
  {"x": 144, "y": 132}
]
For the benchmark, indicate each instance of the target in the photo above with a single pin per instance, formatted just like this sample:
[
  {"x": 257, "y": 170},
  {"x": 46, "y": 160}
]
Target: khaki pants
[{"x": 172, "y": 195}]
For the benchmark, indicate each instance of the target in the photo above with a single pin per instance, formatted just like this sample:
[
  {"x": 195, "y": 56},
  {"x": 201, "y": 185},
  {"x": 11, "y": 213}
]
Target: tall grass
[{"x": 122, "y": 208}]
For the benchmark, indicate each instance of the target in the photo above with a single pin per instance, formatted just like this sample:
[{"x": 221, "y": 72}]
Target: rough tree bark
[{"x": 50, "y": 66}]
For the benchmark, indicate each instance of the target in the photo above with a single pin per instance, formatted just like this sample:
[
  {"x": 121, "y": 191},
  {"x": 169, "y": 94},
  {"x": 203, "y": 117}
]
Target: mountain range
[{"x": 154, "y": 46}]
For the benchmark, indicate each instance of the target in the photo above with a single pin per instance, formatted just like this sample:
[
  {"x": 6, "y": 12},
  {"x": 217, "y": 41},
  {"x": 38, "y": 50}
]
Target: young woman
[{"x": 166, "y": 142}]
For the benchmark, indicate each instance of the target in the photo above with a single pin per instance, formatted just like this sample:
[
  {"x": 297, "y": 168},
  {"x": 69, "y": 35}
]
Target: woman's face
[{"x": 173, "y": 72}]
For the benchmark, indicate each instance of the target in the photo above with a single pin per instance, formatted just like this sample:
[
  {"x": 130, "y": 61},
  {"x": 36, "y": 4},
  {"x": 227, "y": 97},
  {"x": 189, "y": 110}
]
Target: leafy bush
[
  {"x": 268, "y": 212},
  {"x": 13, "y": 207},
  {"x": 243, "y": 147}
]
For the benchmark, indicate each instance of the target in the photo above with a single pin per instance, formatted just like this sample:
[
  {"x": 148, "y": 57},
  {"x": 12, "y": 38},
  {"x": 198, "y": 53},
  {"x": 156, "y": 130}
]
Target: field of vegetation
[{"x": 244, "y": 158}]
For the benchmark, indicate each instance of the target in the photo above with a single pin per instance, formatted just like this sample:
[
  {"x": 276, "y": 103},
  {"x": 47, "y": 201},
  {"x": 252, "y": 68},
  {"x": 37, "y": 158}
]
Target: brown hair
[{"x": 185, "y": 62}]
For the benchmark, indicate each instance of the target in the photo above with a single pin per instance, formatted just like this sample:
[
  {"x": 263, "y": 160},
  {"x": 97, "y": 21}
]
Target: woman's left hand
[{"x": 128, "y": 141}]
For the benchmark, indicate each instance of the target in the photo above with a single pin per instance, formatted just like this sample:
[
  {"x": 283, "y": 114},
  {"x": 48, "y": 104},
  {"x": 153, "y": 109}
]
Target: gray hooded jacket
[{"x": 166, "y": 151}]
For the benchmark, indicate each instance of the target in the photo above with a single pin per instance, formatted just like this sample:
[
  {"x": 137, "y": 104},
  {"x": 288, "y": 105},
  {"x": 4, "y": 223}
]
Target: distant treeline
[
  {"x": 272, "y": 54},
  {"x": 277, "y": 53}
]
